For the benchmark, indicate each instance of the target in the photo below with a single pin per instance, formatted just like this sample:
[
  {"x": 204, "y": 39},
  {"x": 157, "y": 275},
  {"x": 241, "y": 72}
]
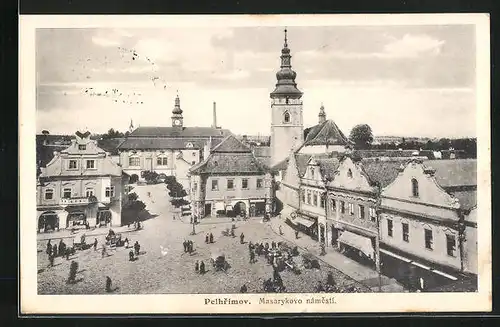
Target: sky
[{"x": 401, "y": 80}]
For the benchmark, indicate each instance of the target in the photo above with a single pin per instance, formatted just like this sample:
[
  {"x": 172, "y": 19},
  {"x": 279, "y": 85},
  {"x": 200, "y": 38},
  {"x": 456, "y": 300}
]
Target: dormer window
[
  {"x": 189, "y": 145},
  {"x": 349, "y": 173},
  {"x": 312, "y": 172},
  {"x": 82, "y": 147},
  {"x": 414, "y": 187},
  {"x": 286, "y": 117}
]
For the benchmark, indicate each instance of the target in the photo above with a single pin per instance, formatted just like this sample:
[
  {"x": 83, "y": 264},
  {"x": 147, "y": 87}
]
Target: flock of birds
[{"x": 127, "y": 56}]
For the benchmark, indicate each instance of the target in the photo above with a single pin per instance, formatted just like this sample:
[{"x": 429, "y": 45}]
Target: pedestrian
[
  {"x": 207, "y": 239},
  {"x": 296, "y": 234},
  {"x": 51, "y": 260},
  {"x": 49, "y": 248},
  {"x": 242, "y": 238},
  {"x": 95, "y": 244},
  {"x": 108, "y": 284},
  {"x": 281, "y": 232},
  {"x": 60, "y": 249},
  {"x": 329, "y": 279},
  {"x": 243, "y": 289},
  {"x": 323, "y": 251},
  {"x": 202, "y": 267},
  {"x": 211, "y": 238},
  {"x": 184, "y": 244},
  {"x": 73, "y": 269},
  {"x": 125, "y": 243},
  {"x": 68, "y": 252},
  {"x": 266, "y": 247},
  {"x": 104, "y": 251},
  {"x": 131, "y": 256},
  {"x": 252, "y": 256},
  {"x": 273, "y": 244},
  {"x": 137, "y": 247},
  {"x": 191, "y": 246},
  {"x": 250, "y": 246},
  {"x": 197, "y": 266}
]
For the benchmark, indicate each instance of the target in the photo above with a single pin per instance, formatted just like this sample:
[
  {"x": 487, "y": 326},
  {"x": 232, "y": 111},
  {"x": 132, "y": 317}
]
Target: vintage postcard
[{"x": 255, "y": 164}]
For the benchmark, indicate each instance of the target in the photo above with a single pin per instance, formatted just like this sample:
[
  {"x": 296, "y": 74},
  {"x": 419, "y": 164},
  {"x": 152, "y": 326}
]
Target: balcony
[{"x": 74, "y": 201}]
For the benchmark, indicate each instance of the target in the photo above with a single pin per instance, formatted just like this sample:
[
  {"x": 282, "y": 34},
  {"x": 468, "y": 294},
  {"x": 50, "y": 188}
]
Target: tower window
[
  {"x": 286, "y": 117},
  {"x": 349, "y": 173},
  {"x": 414, "y": 187}
]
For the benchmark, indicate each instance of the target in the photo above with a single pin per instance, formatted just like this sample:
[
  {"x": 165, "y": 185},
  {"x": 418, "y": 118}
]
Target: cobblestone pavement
[{"x": 173, "y": 272}]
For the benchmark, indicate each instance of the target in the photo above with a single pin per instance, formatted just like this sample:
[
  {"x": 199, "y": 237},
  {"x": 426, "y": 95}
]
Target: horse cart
[
  {"x": 219, "y": 262},
  {"x": 113, "y": 239},
  {"x": 79, "y": 241}
]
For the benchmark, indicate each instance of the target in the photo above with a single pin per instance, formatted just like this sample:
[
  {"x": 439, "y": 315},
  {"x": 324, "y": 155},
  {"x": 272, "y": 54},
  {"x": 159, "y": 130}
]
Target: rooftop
[
  {"x": 185, "y": 132},
  {"x": 326, "y": 133}
]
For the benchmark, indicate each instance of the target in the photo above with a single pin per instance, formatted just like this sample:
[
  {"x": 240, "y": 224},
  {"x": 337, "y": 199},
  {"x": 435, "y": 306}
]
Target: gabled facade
[
  {"x": 81, "y": 184},
  {"x": 423, "y": 225},
  {"x": 232, "y": 180}
]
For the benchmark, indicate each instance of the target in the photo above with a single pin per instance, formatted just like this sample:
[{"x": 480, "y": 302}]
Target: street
[{"x": 173, "y": 270}]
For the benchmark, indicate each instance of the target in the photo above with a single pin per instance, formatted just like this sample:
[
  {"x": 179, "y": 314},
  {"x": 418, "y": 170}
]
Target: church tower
[
  {"x": 287, "y": 126},
  {"x": 321, "y": 115},
  {"x": 177, "y": 120}
]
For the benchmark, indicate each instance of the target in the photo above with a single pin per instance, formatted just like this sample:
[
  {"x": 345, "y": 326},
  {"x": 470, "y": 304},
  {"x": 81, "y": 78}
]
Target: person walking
[
  {"x": 197, "y": 266},
  {"x": 137, "y": 247},
  {"x": 243, "y": 288},
  {"x": 54, "y": 250},
  {"x": 73, "y": 269},
  {"x": 95, "y": 244},
  {"x": 184, "y": 244},
  {"x": 108, "y": 284},
  {"x": 131, "y": 256},
  {"x": 51, "y": 260},
  {"x": 202, "y": 267},
  {"x": 252, "y": 256},
  {"x": 49, "y": 248},
  {"x": 242, "y": 238},
  {"x": 126, "y": 243},
  {"x": 211, "y": 237},
  {"x": 297, "y": 234},
  {"x": 104, "y": 251},
  {"x": 281, "y": 232},
  {"x": 207, "y": 239},
  {"x": 61, "y": 247}
]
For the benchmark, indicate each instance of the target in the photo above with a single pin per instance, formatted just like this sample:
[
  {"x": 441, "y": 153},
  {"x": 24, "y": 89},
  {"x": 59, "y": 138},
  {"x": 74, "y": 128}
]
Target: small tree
[
  {"x": 362, "y": 135},
  {"x": 151, "y": 177},
  {"x": 170, "y": 180},
  {"x": 176, "y": 190},
  {"x": 134, "y": 178},
  {"x": 132, "y": 197}
]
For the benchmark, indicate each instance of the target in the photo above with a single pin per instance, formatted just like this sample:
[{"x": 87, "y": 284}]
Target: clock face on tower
[{"x": 177, "y": 122}]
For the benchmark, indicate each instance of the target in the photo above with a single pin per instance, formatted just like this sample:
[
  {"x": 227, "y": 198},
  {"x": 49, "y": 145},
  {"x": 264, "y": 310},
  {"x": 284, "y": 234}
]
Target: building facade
[
  {"x": 168, "y": 150},
  {"x": 80, "y": 185},
  {"x": 230, "y": 181},
  {"x": 287, "y": 124},
  {"x": 426, "y": 227}
]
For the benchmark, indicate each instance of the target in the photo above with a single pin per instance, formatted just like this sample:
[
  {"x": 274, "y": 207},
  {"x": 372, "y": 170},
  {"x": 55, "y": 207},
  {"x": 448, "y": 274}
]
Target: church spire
[
  {"x": 177, "y": 112},
  {"x": 286, "y": 86},
  {"x": 131, "y": 127},
  {"x": 322, "y": 114}
]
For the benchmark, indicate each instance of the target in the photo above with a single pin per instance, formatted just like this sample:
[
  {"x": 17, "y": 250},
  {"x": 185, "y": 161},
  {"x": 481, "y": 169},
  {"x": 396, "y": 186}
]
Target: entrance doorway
[
  {"x": 48, "y": 221},
  {"x": 240, "y": 208},
  {"x": 335, "y": 236},
  {"x": 104, "y": 217},
  {"x": 208, "y": 209}
]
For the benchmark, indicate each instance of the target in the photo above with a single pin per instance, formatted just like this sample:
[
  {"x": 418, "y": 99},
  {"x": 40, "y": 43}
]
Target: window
[
  {"x": 134, "y": 161},
  {"x": 82, "y": 147},
  {"x": 373, "y": 214},
  {"x": 162, "y": 161},
  {"x": 67, "y": 193},
  {"x": 193, "y": 162},
  {"x": 244, "y": 183},
  {"x": 49, "y": 194},
  {"x": 450, "y": 245},
  {"x": 322, "y": 202},
  {"x": 194, "y": 154},
  {"x": 414, "y": 187},
  {"x": 406, "y": 232},
  {"x": 342, "y": 206},
  {"x": 89, "y": 192},
  {"x": 73, "y": 164},
  {"x": 333, "y": 204},
  {"x": 215, "y": 185},
  {"x": 230, "y": 184},
  {"x": 195, "y": 187},
  {"x": 90, "y": 164},
  {"x": 259, "y": 182},
  {"x": 312, "y": 172},
  {"x": 315, "y": 199},
  {"x": 110, "y": 192},
  {"x": 389, "y": 227},
  {"x": 428, "y": 239},
  {"x": 349, "y": 173},
  {"x": 308, "y": 197},
  {"x": 351, "y": 209},
  {"x": 303, "y": 194},
  {"x": 286, "y": 117},
  {"x": 361, "y": 212}
]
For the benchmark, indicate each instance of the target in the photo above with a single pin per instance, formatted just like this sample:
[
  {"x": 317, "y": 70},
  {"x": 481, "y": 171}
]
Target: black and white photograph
[{"x": 315, "y": 163}]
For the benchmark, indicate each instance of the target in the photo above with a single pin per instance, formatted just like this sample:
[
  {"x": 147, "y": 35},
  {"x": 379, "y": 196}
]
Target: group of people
[
  {"x": 209, "y": 238},
  {"x": 133, "y": 254},
  {"x": 188, "y": 246},
  {"x": 262, "y": 249},
  {"x": 199, "y": 267},
  {"x": 274, "y": 285},
  {"x": 58, "y": 250}
]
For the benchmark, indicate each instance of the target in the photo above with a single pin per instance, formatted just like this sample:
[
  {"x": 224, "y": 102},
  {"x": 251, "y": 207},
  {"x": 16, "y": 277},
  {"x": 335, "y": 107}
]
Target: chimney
[{"x": 214, "y": 116}]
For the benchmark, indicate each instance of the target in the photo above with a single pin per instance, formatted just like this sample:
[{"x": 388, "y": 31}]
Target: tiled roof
[
  {"x": 189, "y": 132},
  {"x": 381, "y": 172},
  {"x": 383, "y": 153},
  {"x": 326, "y": 133},
  {"x": 262, "y": 151},
  {"x": 328, "y": 167},
  {"x": 44, "y": 153},
  {"x": 466, "y": 198},
  {"x": 454, "y": 172},
  {"x": 229, "y": 163},
  {"x": 110, "y": 145},
  {"x": 161, "y": 143},
  {"x": 302, "y": 160},
  {"x": 231, "y": 145}
]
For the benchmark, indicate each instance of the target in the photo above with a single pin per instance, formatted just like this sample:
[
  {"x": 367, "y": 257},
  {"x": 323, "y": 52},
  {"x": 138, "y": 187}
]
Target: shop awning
[
  {"x": 287, "y": 212},
  {"x": 102, "y": 206},
  {"x": 363, "y": 244},
  {"x": 394, "y": 255},
  {"x": 302, "y": 221}
]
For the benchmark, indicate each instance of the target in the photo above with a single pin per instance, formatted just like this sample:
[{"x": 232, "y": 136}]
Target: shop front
[
  {"x": 76, "y": 218},
  {"x": 304, "y": 223},
  {"x": 414, "y": 273},
  {"x": 48, "y": 221},
  {"x": 257, "y": 208},
  {"x": 358, "y": 247}
]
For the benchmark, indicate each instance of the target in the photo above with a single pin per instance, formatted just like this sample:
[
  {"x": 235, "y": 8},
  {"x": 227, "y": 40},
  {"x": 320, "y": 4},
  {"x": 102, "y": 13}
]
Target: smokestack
[{"x": 215, "y": 116}]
